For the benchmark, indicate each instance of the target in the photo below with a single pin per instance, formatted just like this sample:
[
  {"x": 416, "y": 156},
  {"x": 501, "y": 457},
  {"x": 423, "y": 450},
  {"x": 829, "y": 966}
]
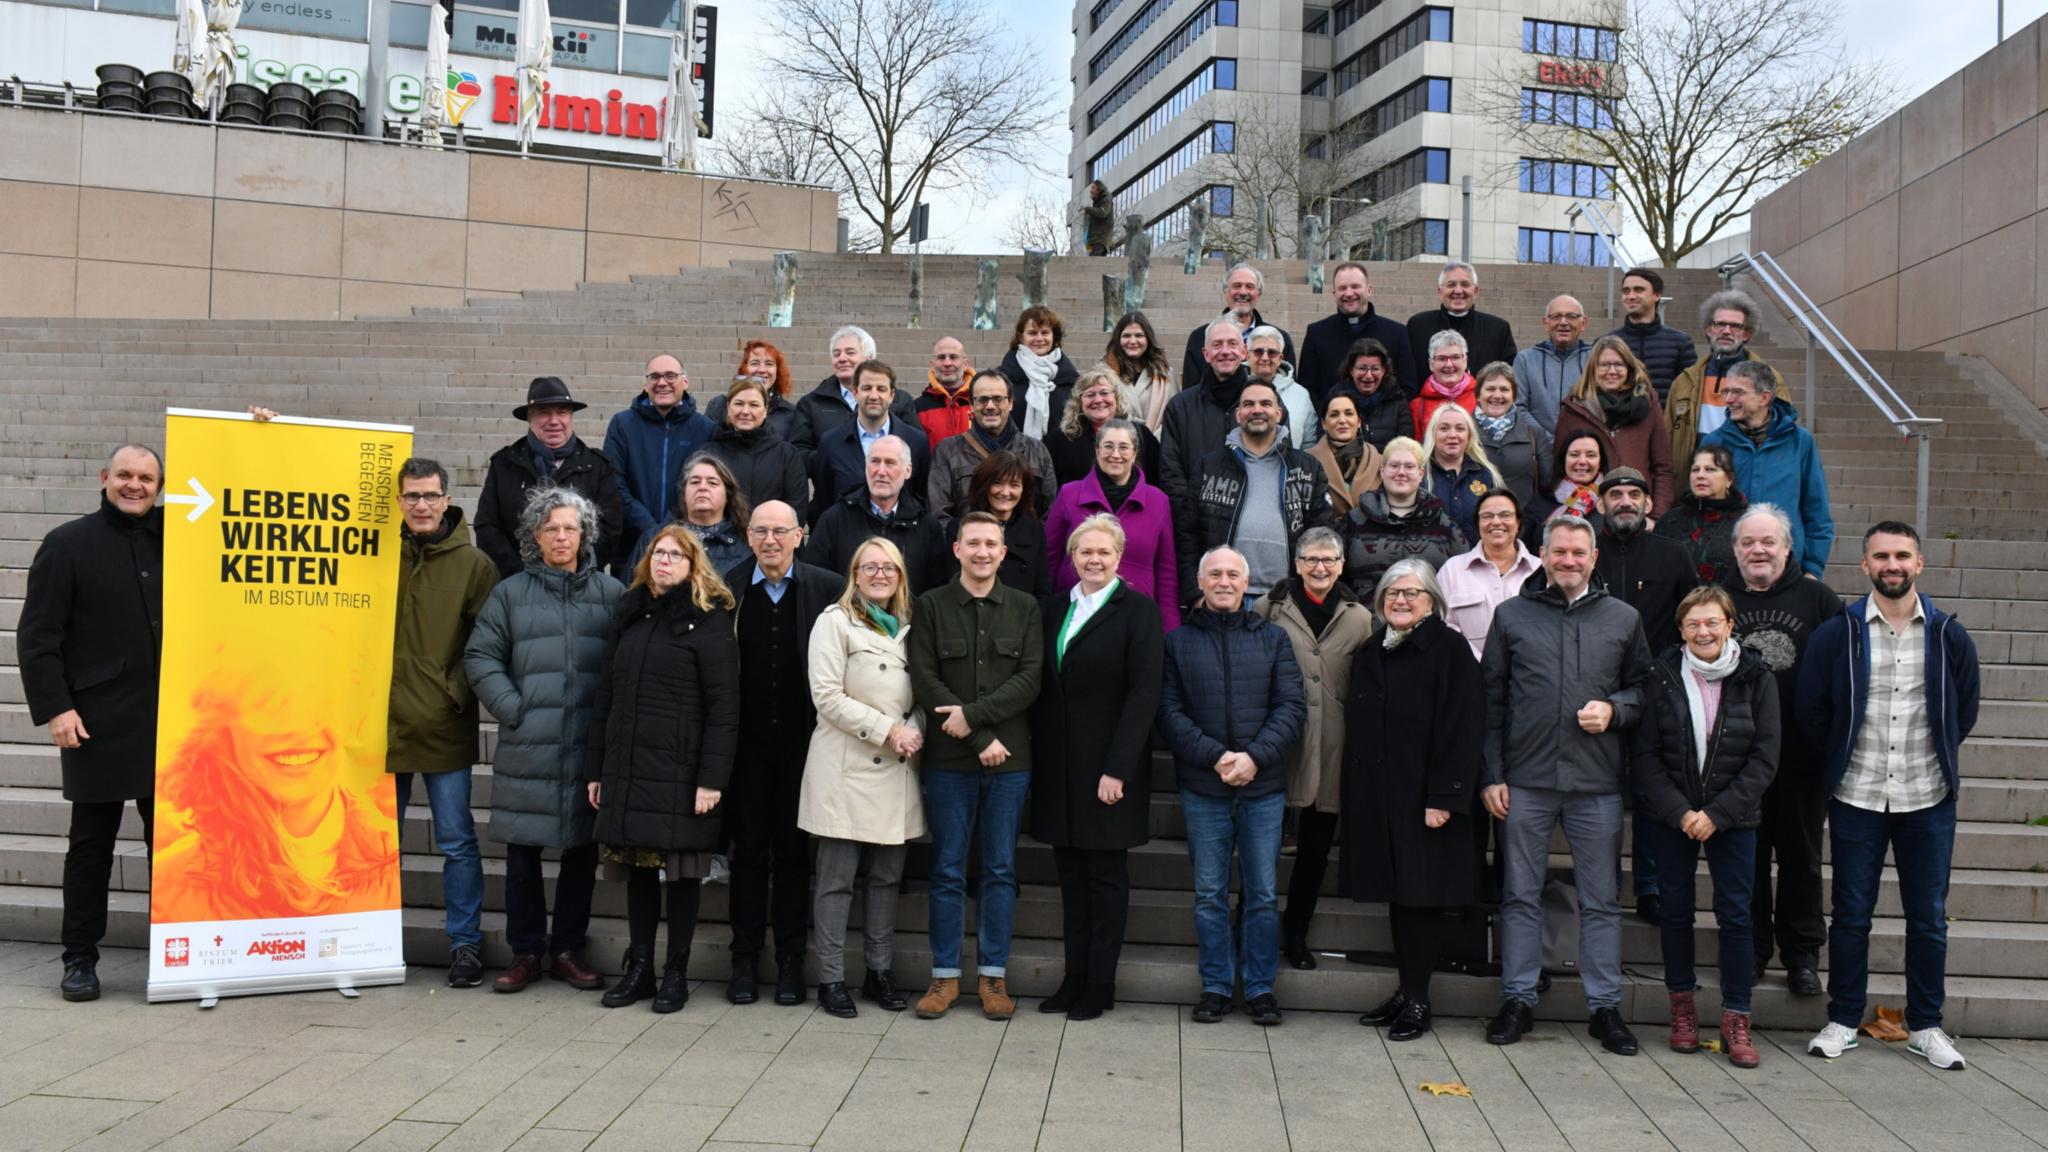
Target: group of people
[{"x": 1406, "y": 609}]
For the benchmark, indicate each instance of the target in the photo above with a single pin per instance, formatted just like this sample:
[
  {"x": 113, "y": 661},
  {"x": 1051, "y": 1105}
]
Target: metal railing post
[
  {"x": 1812, "y": 387},
  {"x": 1920, "y": 497}
]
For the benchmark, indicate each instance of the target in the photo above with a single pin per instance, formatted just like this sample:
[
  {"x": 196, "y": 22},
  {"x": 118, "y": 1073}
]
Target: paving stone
[
  {"x": 37, "y": 1123},
  {"x": 1336, "y": 1080},
  {"x": 655, "y": 1126},
  {"x": 1118, "y": 1084},
  {"x": 796, "y": 1097},
  {"x": 902, "y": 1105},
  {"x": 1012, "y": 1106},
  {"x": 405, "y": 1136}
]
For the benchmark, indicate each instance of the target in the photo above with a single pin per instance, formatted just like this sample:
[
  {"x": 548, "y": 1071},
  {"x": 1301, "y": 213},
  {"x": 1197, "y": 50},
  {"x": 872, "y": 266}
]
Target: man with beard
[
  {"x": 1889, "y": 686},
  {"x": 1324, "y": 344},
  {"x": 1255, "y": 495},
  {"x": 1693, "y": 404},
  {"x": 1241, "y": 292},
  {"x": 1200, "y": 416},
  {"x": 1651, "y": 574},
  {"x": 956, "y": 457},
  {"x": 1776, "y": 611}
]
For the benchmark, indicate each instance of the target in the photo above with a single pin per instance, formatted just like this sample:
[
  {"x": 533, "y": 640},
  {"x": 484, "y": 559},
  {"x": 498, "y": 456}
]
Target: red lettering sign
[
  {"x": 563, "y": 113},
  {"x": 1571, "y": 75}
]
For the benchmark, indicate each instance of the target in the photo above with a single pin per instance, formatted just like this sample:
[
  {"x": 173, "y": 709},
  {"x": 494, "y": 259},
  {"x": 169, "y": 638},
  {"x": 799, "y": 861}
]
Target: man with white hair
[
  {"x": 833, "y": 403},
  {"x": 1776, "y": 612},
  {"x": 1267, "y": 347},
  {"x": 885, "y": 508},
  {"x": 1241, "y": 291},
  {"x": 1489, "y": 337}
]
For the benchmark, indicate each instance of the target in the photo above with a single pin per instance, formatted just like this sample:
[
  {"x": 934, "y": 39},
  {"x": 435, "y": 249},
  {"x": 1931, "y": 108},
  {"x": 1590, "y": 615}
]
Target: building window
[
  {"x": 1429, "y": 94},
  {"x": 1428, "y": 24},
  {"x": 1101, "y": 12},
  {"x": 1173, "y": 223},
  {"x": 1127, "y": 36},
  {"x": 1418, "y": 238},
  {"x": 1218, "y": 74},
  {"x": 1567, "y": 178},
  {"x": 1317, "y": 84},
  {"x": 1318, "y": 22},
  {"x": 1575, "y": 109},
  {"x": 1422, "y": 166},
  {"x": 1218, "y": 137},
  {"x": 1349, "y": 12},
  {"x": 1550, "y": 246},
  {"x": 1571, "y": 41},
  {"x": 1222, "y": 13}
]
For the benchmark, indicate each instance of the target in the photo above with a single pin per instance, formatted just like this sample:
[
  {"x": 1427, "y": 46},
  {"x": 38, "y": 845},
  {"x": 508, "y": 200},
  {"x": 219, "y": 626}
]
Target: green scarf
[
  {"x": 881, "y": 621},
  {"x": 1067, "y": 628}
]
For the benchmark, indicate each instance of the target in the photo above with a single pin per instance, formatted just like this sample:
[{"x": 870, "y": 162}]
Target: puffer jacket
[
  {"x": 442, "y": 586},
  {"x": 1196, "y": 421},
  {"x": 1374, "y": 538},
  {"x": 1665, "y": 351},
  {"x": 1315, "y": 765},
  {"x": 534, "y": 659},
  {"x": 665, "y": 723},
  {"x": 1742, "y": 750},
  {"x": 1546, "y": 659},
  {"x": 1231, "y": 686},
  {"x": 1207, "y": 516},
  {"x": 766, "y": 466},
  {"x": 647, "y": 448}
]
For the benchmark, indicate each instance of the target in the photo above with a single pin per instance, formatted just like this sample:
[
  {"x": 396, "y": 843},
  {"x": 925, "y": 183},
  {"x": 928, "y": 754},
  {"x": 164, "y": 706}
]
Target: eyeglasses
[
  {"x": 671, "y": 377},
  {"x": 1496, "y": 517},
  {"x": 875, "y": 569},
  {"x": 1406, "y": 595},
  {"x": 759, "y": 532},
  {"x": 1265, "y": 353},
  {"x": 1099, "y": 394},
  {"x": 1115, "y": 448},
  {"x": 561, "y": 530},
  {"x": 667, "y": 556},
  {"x": 1318, "y": 561},
  {"x": 1574, "y": 317},
  {"x": 990, "y": 401},
  {"x": 415, "y": 499},
  {"x": 1610, "y": 366},
  {"x": 1447, "y": 358},
  {"x": 1725, "y": 326}
]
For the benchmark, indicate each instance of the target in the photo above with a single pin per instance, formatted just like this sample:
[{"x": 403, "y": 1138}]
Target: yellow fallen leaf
[
  {"x": 1445, "y": 1088},
  {"x": 1888, "y": 1024},
  {"x": 1710, "y": 1045}
]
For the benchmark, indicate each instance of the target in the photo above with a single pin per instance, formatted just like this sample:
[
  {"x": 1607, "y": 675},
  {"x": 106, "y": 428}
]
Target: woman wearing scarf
[
  {"x": 1383, "y": 411},
  {"x": 1040, "y": 374},
  {"x": 1703, "y": 754},
  {"x": 1704, "y": 517},
  {"x": 1416, "y": 717},
  {"x": 1140, "y": 365},
  {"x": 1512, "y": 438},
  {"x": 1350, "y": 463},
  {"x": 1091, "y": 756},
  {"x": 860, "y": 795},
  {"x": 1580, "y": 459},
  {"x": 1094, "y": 401},
  {"x": 1401, "y": 521},
  {"x": 1614, "y": 399},
  {"x": 709, "y": 502},
  {"x": 1459, "y": 472},
  {"x": 1116, "y": 487},
  {"x": 1449, "y": 382}
]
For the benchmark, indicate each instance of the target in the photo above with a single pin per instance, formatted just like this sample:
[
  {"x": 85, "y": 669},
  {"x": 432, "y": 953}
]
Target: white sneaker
[
  {"x": 1833, "y": 1040},
  {"x": 1935, "y": 1044}
]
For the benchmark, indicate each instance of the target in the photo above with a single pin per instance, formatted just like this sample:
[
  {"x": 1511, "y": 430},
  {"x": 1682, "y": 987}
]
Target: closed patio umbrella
[{"x": 536, "y": 56}]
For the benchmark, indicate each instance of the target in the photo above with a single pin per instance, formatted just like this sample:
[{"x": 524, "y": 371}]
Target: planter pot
[
  {"x": 120, "y": 90},
  {"x": 120, "y": 104},
  {"x": 246, "y": 94},
  {"x": 286, "y": 90},
  {"x": 338, "y": 98},
  {"x": 165, "y": 83},
  {"x": 120, "y": 74}
]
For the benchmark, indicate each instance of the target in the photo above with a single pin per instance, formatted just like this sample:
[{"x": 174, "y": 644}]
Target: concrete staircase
[{"x": 74, "y": 387}]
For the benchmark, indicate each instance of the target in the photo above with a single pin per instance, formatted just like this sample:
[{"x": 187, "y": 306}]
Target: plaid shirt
[{"x": 1892, "y": 767}]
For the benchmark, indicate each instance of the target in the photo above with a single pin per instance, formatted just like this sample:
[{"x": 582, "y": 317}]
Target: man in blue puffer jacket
[
  {"x": 1776, "y": 461},
  {"x": 649, "y": 440},
  {"x": 1231, "y": 709}
]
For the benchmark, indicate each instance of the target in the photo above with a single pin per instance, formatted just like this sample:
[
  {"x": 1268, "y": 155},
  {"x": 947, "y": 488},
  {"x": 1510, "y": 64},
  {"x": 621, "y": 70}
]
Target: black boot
[
  {"x": 675, "y": 984},
  {"x": 744, "y": 986},
  {"x": 1064, "y": 999},
  {"x": 1388, "y": 1011},
  {"x": 832, "y": 997},
  {"x": 789, "y": 979},
  {"x": 636, "y": 983},
  {"x": 81, "y": 981},
  {"x": 1412, "y": 1023},
  {"x": 1095, "y": 999},
  {"x": 879, "y": 987},
  {"x": 1294, "y": 949}
]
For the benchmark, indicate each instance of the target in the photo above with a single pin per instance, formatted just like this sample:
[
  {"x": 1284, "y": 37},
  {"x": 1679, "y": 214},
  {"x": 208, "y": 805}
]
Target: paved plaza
[{"x": 421, "y": 1066}]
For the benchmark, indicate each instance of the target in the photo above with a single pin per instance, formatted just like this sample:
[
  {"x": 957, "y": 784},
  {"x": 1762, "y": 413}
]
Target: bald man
[{"x": 1546, "y": 372}]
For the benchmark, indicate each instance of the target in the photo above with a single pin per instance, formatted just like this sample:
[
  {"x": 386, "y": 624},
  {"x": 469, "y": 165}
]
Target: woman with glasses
[
  {"x": 1097, "y": 399},
  {"x": 1450, "y": 379},
  {"x": 1383, "y": 411},
  {"x": 1477, "y": 582},
  {"x": 1117, "y": 487},
  {"x": 663, "y": 733},
  {"x": 860, "y": 792},
  {"x": 1417, "y": 710},
  {"x": 767, "y": 466},
  {"x": 1614, "y": 401},
  {"x": 710, "y": 504},
  {"x": 1403, "y": 520}
]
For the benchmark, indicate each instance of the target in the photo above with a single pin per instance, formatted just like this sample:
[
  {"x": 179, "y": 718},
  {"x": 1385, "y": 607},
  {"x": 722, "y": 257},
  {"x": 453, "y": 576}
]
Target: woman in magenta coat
[{"x": 1116, "y": 485}]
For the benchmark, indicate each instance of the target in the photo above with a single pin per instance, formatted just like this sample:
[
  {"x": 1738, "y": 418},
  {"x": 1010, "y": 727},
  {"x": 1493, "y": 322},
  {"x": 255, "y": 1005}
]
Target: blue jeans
[
  {"x": 1250, "y": 826},
  {"x": 1922, "y": 844},
  {"x": 462, "y": 869},
  {"x": 957, "y": 804},
  {"x": 1731, "y": 861}
]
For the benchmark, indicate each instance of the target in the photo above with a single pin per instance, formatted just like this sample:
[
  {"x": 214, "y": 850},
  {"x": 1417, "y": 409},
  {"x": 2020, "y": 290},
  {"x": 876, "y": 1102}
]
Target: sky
[{"x": 1922, "y": 50}]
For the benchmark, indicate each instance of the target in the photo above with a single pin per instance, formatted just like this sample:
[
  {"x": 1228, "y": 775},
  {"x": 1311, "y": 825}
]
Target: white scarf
[
  {"x": 1146, "y": 399},
  {"x": 1038, "y": 376},
  {"x": 1693, "y": 671}
]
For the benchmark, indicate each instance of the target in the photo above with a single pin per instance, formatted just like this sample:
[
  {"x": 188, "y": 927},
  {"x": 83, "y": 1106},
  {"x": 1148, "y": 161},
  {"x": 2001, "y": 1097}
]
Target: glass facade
[
  {"x": 1553, "y": 246},
  {"x": 1348, "y": 12},
  {"x": 1422, "y": 166},
  {"x": 1574, "y": 109},
  {"x": 1219, "y": 74},
  {"x": 1428, "y": 24},
  {"x": 1217, "y": 137},
  {"x": 1418, "y": 238},
  {"x": 1572, "y": 41},
  {"x": 1566, "y": 178},
  {"x": 1222, "y": 13},
  {"x": 1429, "y": 94}
]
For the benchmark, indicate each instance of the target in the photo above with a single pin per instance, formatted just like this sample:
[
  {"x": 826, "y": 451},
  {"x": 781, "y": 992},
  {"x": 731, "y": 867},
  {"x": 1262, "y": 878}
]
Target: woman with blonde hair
[
  {"x": 663, "y": 731},
  {"x": 1096, "y": 399},
  {"x": 1402, "y": 519},
  {"x": 860, "y": 794},
  {"x": 1614, "y": 400},
  {"x": 1458, "y": 469}
]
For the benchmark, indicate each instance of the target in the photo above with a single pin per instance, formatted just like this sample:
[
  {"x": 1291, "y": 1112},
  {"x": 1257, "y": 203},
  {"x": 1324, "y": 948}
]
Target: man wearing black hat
[
  {"x": 1665, "y": 351},
  {"x": 552, "y": 452}
]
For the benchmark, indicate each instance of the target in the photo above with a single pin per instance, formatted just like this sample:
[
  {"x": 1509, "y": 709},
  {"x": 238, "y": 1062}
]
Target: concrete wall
[
  {"x": 1928, "y": 231},
  {"x": 110, "y": 216}
]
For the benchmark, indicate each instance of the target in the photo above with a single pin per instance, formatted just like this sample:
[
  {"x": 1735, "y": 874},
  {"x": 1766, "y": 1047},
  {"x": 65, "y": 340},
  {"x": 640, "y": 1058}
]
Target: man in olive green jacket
[
  {"x": 443, "y": 581},
  {"x": 976, "y": 656}
]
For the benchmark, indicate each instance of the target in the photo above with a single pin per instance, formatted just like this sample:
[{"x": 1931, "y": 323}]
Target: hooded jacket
[
  {"x": 1544, "y": 376},
  {"x": 1691, "y": 390},
  {"x": 1209, "y": 514},
  {"x": 845, "y": 526},
  {"x": 1546, "y": 659},
  {"x": 1231, "y": 686},
  {"x": 1325, "y": 343},
  {"x": 647, "y": 448},
  {"x": 442, "y": 586},
  {"x": 1665, "y": 351},
  {"x": 1834, "y": 687},
  {"x": 512, "y": 475},
  {"x": 1196, "y": 421},
  {"x": 823, "y": 409},
  {"x": 1374, "y": 538},
  {"x": 1742, "y": 749},
  {"x": 1785, "y": 470}
]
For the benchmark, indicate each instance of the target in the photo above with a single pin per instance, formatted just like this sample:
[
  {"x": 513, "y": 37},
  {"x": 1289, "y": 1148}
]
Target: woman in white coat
[{"x": 860, "y": 792}]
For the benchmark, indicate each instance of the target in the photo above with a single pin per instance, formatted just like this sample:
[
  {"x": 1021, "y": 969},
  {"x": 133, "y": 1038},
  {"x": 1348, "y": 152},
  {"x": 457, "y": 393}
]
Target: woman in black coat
[
  {"x": 1703, "y": 753},
  {"x": 1413, "y": 835},
  {"x": 1704, "y": 515},
  {"x": 766, "y": 466},
  {"x": 1004, "y": 487},
  {"x": 661, "y": 751},
  {"x": 1091, "y": 765}
]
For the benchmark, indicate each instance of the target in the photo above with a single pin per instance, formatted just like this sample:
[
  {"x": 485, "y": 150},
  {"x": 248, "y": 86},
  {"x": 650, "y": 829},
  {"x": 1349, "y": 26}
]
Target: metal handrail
[
  {"x": 1793, "y": 301},
  {"x": 1618, "y": 255}
]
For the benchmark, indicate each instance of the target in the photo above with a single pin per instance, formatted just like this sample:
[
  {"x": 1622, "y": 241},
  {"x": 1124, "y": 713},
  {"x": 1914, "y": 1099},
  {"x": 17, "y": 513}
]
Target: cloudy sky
[{"x": 1922, "y": 50}]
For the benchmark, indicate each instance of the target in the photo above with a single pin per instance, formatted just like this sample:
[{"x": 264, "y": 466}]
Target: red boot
[
  {"x": 1735, "y": 1040},
  {"x": 1685, "y": 1023}
]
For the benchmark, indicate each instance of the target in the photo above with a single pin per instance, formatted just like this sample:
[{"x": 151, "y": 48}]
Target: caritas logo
[
  {"x": 177, "y": 951},
  {"x": 292, "y": 948}
]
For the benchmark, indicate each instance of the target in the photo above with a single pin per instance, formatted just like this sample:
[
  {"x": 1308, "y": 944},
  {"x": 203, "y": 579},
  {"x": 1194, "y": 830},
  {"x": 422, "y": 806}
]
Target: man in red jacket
[{"x": 947, "y": 408}]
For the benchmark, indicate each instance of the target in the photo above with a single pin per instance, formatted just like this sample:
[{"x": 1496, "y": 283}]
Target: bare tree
[
  {"x": 1039, "y": 223},
  {"x": 906, "y": 98},
  {"x": 1708, "y": 104},
  {"x": 764, "y": 141},
  {"x": 1296, "y": 174}
]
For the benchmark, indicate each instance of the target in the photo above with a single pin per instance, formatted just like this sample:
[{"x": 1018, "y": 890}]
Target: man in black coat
[
  {"x": 839, "y": 466},
  {"x": 549, "y": 451},
  {"x": 1197, "y": 418},
  {"x": 1327, "y": 340},
  {"x": 1487, "y": 337},
  {"x": 779, "y": 600},
  {"x": 830, "y": 404},
  {"x": 1665, "y": 351},
  {"x": 90, "y": 639},
  {"x": 884, "y": 508},
  {"x": 1241, "y": 292}
]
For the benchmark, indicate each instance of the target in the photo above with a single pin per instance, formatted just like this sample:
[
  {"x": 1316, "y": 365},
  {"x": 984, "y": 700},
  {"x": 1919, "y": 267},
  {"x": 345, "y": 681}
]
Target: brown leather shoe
[
  {"x": 939, "y": 997},
  {"x": 574, "y": 971},
  {"x": 523, "y": 970},
  {"x": 995, "y": 999}
]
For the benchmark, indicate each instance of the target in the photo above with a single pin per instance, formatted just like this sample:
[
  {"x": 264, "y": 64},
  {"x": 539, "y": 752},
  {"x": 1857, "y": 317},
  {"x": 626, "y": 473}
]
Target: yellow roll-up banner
[{"x": 276, "y": 856}]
